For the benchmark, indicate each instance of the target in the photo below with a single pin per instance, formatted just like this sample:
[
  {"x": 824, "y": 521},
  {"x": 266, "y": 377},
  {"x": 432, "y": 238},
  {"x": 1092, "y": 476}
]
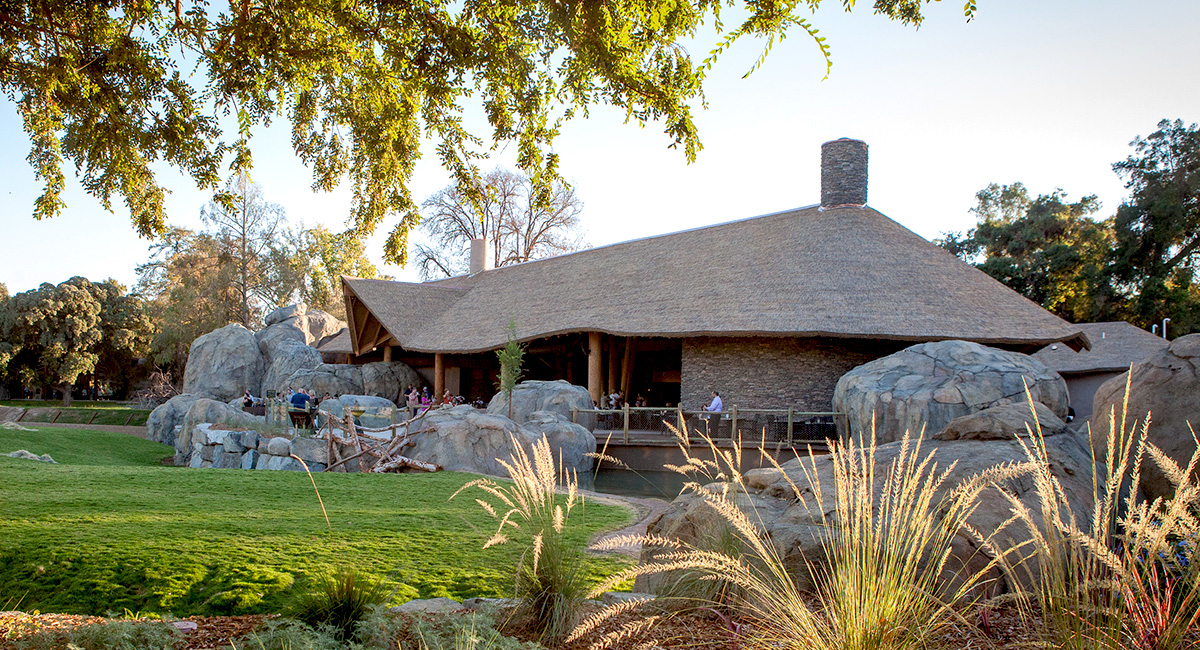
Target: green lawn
[{"x": 110, "y": 529}]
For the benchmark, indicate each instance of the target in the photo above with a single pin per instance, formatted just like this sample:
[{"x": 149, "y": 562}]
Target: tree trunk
[{"x": 66, "y": 389}]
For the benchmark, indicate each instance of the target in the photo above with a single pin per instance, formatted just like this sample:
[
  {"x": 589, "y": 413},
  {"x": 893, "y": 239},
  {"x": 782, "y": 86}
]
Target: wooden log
[{"x": 401, "y": 461}]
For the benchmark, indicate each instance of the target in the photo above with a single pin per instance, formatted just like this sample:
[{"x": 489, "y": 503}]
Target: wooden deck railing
[{"x": 789, "y": 426}]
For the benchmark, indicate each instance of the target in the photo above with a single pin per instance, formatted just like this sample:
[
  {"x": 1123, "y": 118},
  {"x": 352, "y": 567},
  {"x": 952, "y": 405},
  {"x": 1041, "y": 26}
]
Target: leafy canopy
[
  {"x": 1139, "y": 265},
  {"x": 116, "y": 86},
  {"x": 1047, "y": 248}
]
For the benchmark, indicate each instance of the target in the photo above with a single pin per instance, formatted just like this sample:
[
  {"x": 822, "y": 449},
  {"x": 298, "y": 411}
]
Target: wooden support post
[
  {"x": 94, "y": 414},
  {"x": 387, "y": 353},
  {"x": 613, "y": 367},
  {"x": 625, "y": 409},
  {"x": 627, "y": 369},
  {"x": 439, "y": 377},
  {"x": 791, "y": 418},
  {"x": 574, "y": 415},
  {"x": 733, "y": 430},
  {"x": 594, "y": 363}
]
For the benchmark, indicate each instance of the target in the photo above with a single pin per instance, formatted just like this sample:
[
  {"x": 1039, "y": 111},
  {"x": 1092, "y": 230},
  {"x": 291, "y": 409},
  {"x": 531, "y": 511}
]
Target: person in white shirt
[{"x": 715, "y": 405}]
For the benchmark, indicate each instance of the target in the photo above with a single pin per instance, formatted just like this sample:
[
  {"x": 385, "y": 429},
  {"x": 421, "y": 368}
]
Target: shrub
[
  {"x": 115, "y": 635},
  {"x": 548, "y": 582},
  {"x": 288, "y": 634},
  {"x": 339, "y": 600},
  {"x": 474, "y": 631}
]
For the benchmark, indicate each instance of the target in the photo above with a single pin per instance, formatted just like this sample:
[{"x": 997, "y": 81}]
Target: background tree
[
  {"x": 188, "y": 286},
  {"x": 246, "y": 225},
  {"x": 1158, "y": 227},
  {"x": 1047, "y": 249},
  {"x": 114, "y": 87},
  {"x": 56, "y": 334},
  {"x": 505, "y": 212}
]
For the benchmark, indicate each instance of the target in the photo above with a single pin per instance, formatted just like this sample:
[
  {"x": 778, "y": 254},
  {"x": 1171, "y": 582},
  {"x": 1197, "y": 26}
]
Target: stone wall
[
  {"x": 224, "y": 449},
  {"x": 764, "y": 372}
]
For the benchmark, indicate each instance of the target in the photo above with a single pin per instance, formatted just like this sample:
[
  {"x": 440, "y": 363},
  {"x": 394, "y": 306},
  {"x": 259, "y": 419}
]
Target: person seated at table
[
  {"x": 248, "y": 400},
  {"x": 299, "y": 401}
]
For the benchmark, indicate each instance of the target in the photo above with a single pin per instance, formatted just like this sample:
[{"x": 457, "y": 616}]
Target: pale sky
[{"x": 1045, "y": 92}]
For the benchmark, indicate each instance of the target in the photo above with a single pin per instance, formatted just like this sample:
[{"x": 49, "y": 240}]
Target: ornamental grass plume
[
  {"x": 1126, "y": 577},
  {"x": 549, "y": 584},
  {"x": 882, "y": 575}
]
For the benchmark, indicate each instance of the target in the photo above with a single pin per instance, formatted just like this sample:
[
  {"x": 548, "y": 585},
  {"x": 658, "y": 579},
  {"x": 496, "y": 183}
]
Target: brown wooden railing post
[
  {"x": 733, "y": 425},
  {"x": 574, "y": 415},
  {"x": 625, "y": 410},
  {"x": 791, "y": 418}
]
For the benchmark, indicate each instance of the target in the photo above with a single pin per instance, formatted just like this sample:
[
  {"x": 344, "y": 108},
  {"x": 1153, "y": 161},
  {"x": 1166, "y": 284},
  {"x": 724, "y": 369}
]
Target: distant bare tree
[
  {"x": 246, "y": 224},
  {"x": 518, "y": 229}
]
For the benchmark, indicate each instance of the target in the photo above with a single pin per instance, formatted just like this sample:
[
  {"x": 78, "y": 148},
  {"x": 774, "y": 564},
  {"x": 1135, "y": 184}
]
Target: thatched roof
[
  {"x": 1115, "y": 345},
  {"x": 846, "y": 272},
  {"x": 337, "y": 344}
]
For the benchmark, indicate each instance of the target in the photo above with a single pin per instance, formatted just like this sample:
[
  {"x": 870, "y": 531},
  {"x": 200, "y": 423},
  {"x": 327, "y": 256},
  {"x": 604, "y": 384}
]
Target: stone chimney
[
  {"x": 481, "y": 255},
  {"x": 843, "y": 173}
]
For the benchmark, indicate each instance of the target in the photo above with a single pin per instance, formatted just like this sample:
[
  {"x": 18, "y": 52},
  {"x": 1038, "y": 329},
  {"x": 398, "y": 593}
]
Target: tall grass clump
[
  {"x": 548, "y": 583},
  {"x": 1126, "y": 575},
  {"x": 884, "y": 577},
  {"x": 339, "y": 600}
]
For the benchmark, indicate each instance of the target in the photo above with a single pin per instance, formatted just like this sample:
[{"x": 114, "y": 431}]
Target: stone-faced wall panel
[{"x": 772, "y": 372}]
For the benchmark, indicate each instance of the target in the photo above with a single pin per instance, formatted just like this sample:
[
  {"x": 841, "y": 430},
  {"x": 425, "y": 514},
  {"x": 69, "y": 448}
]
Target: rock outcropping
[
  {"x": 1003, "y": 423},
  {"x": 797, "y": 527},
  {"x": 208, "y": 411},
  {"x": 924, "y": 387},
  {"x": 547, "y": 396},
  {"x": 1167, "y": 386},
  {"x": 224, "y": 363}
]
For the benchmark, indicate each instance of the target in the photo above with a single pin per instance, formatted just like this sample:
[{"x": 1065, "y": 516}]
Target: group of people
[
  {"x": 419, "y": 401},
  {"x": 616, "y": 400}
]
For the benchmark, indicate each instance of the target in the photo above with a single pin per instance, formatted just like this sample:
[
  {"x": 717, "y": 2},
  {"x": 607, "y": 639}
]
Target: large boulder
[
  {"x": 572, "y": 443},
  {"x": 1003, "y": 423},
  {"x": 312, "y": 324},
  {"x": 208, "y": 411},
  {"x": 224, "y": 363},
  {"x": 287, "y": 312},
  {"x": 322, "y": 325},
  {"x": 464, "y": 439},
  {"x": 532, "y": 396},
  {"x": 273, "y": 336},
  {"x": 799, "y": 526},
  {"x": 160, "y": 426},
  {"x": 924, "y": 387},
  {"x": 386, "y": 379},
  {"x": 286, "y": 358},
  {"x": 1165, "y": 385}
]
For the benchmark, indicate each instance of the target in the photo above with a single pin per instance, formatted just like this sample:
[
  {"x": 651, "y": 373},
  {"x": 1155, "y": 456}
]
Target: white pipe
[{"x": 1165, "y": 321}]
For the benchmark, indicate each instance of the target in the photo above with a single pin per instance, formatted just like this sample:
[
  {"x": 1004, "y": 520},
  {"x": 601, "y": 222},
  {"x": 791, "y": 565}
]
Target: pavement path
[{"x": 647, "y": 510}]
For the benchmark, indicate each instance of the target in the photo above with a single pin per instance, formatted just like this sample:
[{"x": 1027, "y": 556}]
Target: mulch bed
[
  {"x": 210, "y": 632},
  {"x": 1002, "y": 630}
]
